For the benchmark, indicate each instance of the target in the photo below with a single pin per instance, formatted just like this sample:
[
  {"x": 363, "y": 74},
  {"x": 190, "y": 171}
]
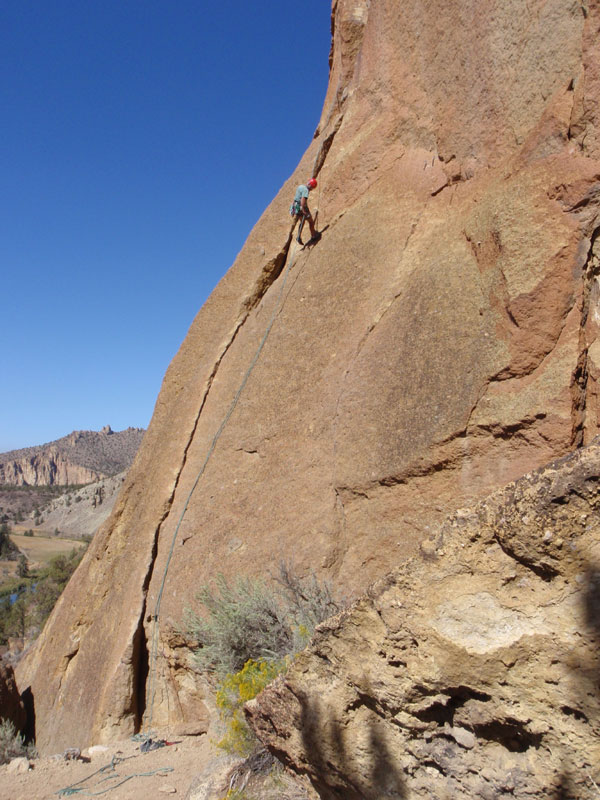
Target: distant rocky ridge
[{"x": 81, "y": 457}]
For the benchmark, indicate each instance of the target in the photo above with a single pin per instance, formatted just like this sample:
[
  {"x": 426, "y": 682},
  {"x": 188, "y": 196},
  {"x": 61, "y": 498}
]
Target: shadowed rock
[{"x": 11, "y": 705}]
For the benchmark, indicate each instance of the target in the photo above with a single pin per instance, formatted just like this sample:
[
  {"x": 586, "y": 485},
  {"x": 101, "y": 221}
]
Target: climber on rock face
[{"x": 300, "y": 211}]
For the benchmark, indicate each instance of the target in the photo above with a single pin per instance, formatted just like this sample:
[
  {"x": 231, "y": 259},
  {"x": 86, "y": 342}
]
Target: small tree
[
  {"x": 17, "y": 624},
  {"x": 22, "y": 567},
  {"x": 8, "y": 549}
]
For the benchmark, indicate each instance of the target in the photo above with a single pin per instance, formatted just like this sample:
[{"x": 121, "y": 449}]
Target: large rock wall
[
  {"x": 49, "y": 468},
  {"x": 437, "y": 343},
  {"x": 472, "y": 670},
  {"x": 81, "y": 457}
]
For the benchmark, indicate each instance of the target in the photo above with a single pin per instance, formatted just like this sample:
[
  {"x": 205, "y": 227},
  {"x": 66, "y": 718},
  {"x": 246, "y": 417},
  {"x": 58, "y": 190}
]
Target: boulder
[
  {"x": 472, "y": 670},
  {"x": 18, "y": 765}
]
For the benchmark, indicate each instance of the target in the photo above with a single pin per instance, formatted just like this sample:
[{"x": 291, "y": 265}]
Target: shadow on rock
[
  {"x": 583, "y": 710},
  {"x": 353, "y": 762}
]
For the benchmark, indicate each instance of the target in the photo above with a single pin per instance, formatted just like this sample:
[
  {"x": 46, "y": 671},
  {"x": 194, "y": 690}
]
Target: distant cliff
[
  {"x": 80, "y": 457},
  {"x": 80, "y": 512}
]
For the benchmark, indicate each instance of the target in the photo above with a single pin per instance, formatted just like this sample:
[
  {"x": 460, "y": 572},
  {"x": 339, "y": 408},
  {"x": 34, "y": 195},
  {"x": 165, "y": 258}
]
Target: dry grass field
[{"x": 40, "y": 549}]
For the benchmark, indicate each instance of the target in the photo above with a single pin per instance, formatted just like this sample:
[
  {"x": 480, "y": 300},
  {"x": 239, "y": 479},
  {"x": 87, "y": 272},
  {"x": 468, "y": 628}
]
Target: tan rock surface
[
  {"x": 472, "y": 670},
  {"x": 437, "y": 343}
]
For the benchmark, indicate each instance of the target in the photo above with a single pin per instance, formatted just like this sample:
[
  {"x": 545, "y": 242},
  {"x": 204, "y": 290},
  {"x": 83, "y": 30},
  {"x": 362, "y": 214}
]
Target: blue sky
[{"x": 140, "y": 142}]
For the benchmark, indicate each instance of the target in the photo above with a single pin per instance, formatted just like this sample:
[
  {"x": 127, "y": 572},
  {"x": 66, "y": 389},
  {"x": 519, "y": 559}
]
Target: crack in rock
[{"x": 579, "y": 382}]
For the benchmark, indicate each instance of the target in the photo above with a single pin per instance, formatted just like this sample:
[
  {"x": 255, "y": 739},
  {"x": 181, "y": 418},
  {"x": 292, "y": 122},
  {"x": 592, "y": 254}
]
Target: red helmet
[{"x": 312, "y": 183}]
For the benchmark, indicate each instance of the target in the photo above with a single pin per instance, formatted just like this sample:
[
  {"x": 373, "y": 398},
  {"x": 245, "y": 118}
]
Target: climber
[{"x": 300, "y": 211}]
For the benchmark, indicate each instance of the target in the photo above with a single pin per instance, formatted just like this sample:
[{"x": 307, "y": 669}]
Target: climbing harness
[{"x": 156, "y": 614}]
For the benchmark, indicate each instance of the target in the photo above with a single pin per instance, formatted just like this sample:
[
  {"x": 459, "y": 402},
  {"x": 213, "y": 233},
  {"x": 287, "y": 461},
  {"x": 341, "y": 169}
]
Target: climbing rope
[
  {"x": 156, "y": 614},
  {"x": 110, "y": 773}
]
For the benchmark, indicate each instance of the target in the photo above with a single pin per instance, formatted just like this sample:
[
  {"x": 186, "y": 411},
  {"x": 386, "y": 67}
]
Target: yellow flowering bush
[{"x": 237, "y": 688}]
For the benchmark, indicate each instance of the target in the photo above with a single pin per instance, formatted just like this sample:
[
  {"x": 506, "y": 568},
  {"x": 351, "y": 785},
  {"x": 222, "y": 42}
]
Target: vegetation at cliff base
[
  {"x": 235, "y": 689},
  {"x": 247, "y": 633},
  {"x": 250, "y": 619},
  {"x": 12, "y": 744}
]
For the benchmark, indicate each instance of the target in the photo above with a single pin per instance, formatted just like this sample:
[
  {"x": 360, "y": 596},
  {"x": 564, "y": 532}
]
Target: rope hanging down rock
[
  {"x": 156, "y": 615},
  {"x": 80, "y": 788}
]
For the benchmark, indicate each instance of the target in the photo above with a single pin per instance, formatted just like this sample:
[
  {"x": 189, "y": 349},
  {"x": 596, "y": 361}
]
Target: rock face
[
  {"x": 471, "y": 671},
  {"x": 80, "y": 457},
  {"x": 49, "y": 468},
  {"x": 332, "y": 405}
]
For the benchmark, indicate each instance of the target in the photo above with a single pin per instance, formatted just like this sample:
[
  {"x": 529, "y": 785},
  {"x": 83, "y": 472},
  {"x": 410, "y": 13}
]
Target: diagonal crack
[
  {"x": 579, "y": 382},
  {"x": 269, "y": 274}
]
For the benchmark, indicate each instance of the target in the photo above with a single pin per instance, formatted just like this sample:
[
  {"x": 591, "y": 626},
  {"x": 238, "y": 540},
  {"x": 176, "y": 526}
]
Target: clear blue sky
[{"x": 140, "y": 142}]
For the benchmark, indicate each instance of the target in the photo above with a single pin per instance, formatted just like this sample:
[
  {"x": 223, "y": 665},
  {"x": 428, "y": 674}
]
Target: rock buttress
[{"x": 472, "y": 670}]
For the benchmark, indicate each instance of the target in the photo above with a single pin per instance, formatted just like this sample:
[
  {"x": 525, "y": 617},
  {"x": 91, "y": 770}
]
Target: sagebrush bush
[
  {"x": 244, "y": 620},
  {"x": 12, "y": 744},
  {"x": 246, "y": 636},
  {"x": 309, "y": 601},
  {"x": 249, "y": 619}
]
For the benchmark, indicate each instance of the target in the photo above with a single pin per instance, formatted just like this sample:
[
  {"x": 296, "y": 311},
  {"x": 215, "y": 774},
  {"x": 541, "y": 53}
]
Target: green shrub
[
  {"x": 309, "y": 601},
  {"x": 250, "y": 620},
  {"x": 8, "y": 550},
  {"x": 247, "y": 634},
  {"x": 245, "y": 620},
  {"x": 12, "y": 744}
]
